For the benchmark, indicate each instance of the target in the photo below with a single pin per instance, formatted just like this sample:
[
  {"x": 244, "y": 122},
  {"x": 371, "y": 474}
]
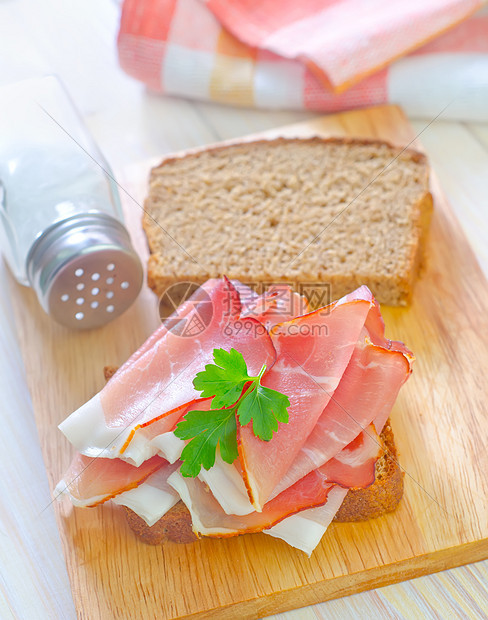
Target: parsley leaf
[
  {"x": 207, "y": 430},
  {"x": 265, "y": 407},
  {"x": 235, "y": 394},
  {"x": 223, "y": 380}
]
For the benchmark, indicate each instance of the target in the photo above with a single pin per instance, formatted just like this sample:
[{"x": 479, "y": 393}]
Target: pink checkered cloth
[{"x": 326, "y": 55}]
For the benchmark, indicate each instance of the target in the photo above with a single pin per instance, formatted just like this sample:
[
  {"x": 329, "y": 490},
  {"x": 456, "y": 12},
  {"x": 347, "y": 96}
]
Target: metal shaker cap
[{"x": 84, "y": 270}]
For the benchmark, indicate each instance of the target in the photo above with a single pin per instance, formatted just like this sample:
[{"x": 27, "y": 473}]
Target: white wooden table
[{"x": 77, "y": 41}]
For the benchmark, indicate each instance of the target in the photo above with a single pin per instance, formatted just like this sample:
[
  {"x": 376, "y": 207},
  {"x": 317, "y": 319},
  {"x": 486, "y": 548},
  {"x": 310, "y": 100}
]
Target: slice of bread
[
  {"x": 381, "y": 497},
  {"x": 335, "y": 213}
]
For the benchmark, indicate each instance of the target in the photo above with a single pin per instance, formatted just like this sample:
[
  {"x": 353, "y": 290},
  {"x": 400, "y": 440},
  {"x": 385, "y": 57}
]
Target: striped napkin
[{"x": 325, "y": 55}]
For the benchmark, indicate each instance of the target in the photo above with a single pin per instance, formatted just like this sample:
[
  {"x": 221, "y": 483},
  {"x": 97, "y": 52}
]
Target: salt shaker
[{"x": 61, "y": 227}]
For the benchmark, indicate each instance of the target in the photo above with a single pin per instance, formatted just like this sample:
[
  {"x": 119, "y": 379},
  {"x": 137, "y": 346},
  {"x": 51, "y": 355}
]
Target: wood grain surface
[{"x": 439, "y": 422}]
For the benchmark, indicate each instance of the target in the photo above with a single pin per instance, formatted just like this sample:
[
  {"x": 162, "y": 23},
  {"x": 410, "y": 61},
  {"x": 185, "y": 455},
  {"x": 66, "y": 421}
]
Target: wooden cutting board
[{"x": 440, "y": 423}]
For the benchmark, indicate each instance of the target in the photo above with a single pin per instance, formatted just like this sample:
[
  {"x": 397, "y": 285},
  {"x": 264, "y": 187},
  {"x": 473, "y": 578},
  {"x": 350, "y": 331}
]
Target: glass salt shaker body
[{"x": 60, "y": 217}]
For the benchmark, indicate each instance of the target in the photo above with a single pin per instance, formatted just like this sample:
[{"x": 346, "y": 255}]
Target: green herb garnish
[{"x": 235, "y": 394}]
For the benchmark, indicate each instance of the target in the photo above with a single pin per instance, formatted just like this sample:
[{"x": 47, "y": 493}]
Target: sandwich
[{"x": 246, "y": 413}]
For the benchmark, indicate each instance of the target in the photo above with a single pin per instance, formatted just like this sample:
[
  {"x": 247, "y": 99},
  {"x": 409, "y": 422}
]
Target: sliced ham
[
  {"x": 195, "y": 303},
  {"x": 277, "y": 304},
  {"x": 366, "y": 393},
  {"x": 209, "y": 519},
  {"x": 92, "y": 481},
  {"x": 313, "y": 352},
  {"x": 247, "y": 294},
  {"x": 339, "y": 371},
  {"x": 305, "y": 529},
  {"x": 141, "y": 443},
  {"x": 376, "y": 331},
  {"x": 223, "y": 479},
  {"x": 152, "y": 499},
  {"x": 352, "y": 468},
  {"x": 156, "y": 386}
]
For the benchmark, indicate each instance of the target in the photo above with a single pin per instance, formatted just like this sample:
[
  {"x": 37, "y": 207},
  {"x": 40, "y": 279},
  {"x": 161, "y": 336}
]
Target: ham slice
[
  {"x": 209, "y": 519},
  {"x": 153, "y": 498},
  {"x": 376, "y": 331},
  {"x": 366, "y": 393},
  {"x": 277, "y": 304},
  {"x": 92, "y": 481},
  {"x": 156, "y": 386},
  {"x": 196, "y": 304},
  {"x": 352, "y": 468},
  {"x": 313, "y": 352},
  {"x": 224, "y": 480},
  {"x": 305, "y": 529}
]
